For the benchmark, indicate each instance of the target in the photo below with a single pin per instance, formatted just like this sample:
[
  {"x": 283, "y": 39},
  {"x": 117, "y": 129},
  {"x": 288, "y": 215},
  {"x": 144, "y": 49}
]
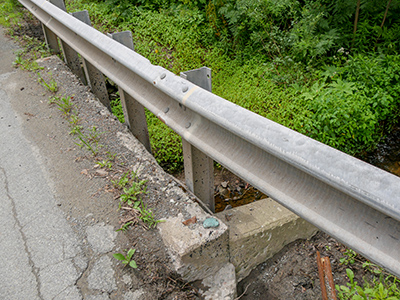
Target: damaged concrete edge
[
  {"x": 196, "y": 251},
  {"x": 260, "y": 230},
  {"x": 245, "y": 237}
]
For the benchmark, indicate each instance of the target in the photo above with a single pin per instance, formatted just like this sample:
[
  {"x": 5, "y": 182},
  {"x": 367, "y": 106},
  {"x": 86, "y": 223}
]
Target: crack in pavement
[{"x": 35, "y": 271}]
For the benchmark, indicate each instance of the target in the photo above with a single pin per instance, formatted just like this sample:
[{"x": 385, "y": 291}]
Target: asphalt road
[{"x": 43, "y": 253}]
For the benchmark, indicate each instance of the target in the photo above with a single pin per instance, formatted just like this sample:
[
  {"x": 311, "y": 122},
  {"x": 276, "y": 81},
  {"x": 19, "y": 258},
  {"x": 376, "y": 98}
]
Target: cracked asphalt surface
[
  {"x": 42, "y": 255},
  {"x": 59, "y": 211}
]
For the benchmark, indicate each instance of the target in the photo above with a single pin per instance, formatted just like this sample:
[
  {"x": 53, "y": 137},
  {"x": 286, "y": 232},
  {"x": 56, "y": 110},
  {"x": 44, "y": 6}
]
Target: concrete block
[
  {"x": 196, "y": 252},
  {"x": 221, "y": 285},
  {"x": 259, "y": 230}
]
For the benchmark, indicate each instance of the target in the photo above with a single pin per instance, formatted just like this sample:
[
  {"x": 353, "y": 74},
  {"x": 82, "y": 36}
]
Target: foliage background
[{"x": 299, "y": 63}]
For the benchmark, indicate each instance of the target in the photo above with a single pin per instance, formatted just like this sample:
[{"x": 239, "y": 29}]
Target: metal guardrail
[{"x": 352, "y": 201}]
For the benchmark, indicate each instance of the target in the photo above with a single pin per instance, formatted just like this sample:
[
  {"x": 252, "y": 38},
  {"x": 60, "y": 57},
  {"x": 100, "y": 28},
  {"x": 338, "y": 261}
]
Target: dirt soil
[{"x": 291, "y": 274}]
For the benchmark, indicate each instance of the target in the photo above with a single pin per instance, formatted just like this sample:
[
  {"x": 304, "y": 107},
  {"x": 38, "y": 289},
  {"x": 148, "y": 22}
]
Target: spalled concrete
[
  {"x": 221, "y": 285},
  {"x": 197, "y": 252},
  {"x": 259, "y": 230}
]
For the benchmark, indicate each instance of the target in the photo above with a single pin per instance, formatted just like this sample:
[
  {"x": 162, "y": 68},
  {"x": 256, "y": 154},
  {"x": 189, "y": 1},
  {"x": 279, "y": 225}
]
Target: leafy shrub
[
  {"x": 289, "y": 61},
  {"x": 358, "y": 106},
  {"x": 165, "y": 144}
]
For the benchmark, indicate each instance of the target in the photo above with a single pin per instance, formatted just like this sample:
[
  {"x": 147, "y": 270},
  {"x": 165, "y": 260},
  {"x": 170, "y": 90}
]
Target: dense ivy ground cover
[{"x": 327, "y": 69}]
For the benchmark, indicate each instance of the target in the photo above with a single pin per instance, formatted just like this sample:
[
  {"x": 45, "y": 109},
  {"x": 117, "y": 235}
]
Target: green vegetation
[
  {"x": 64, "y": 104},
  {"x": 123, "y": 181},
  {"x": 133, "y": 191},
  {"x": 51, "y": 86},
  {"x": 379, "y": 286},
  {"x": 108, "y": 162},
  {"x": 127, "y": 260},
  {"x": 131, "y": 194},
  {"x": 9, "y": 14},
  {"x": 382, "y": 287},
  {"x": 125, "y": 226},
  {"x": 89, "y": 140},
  {"x": 309, "y": 65}
]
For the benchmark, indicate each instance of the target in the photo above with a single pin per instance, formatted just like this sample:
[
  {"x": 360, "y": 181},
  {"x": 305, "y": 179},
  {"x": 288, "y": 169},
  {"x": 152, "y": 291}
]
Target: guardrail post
[
  {"x": 135, "y": 117},
  {"x": 199, "y": 168},
  {"x": 95, "y": 79},
  {"x": 51, "y": 40},
  {"x": 70, "y": 56}
]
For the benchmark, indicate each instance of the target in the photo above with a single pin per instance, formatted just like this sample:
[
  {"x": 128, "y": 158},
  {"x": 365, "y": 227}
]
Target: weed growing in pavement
[
  {"x": 89, "y": 141},
  {"x": 51, "y": 86},
  {"x": 132, "y": 194},
  {"x": 25, "y": 64},
  {"x": 74, "y": 119},
  {"x": 75, "y": 129},
  {"x": 147, "y": 216},
  {"x": 105, "y": 163},
  {"x": 122, "y": 182},
  {"x": 65, "y": 105},
  {"x": 127, "y": 260},
  {"x": 125, "y": 226}
]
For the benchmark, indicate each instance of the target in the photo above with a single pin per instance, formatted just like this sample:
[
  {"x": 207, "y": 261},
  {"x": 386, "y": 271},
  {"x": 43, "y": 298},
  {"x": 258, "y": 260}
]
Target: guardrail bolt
[
  {"x": 188, "y": 125},
  {"x": 163, "y": 75},
  {"x": 166, "y": 110},
  {"x": 185, "y": 89}
]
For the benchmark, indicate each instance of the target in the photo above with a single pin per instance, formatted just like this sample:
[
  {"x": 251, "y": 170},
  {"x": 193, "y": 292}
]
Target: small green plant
[
  {"x": 50, "y": 86},
  {"x": 75, "y": 129},
  {"x": 147, "y": 216},
  {"x": 381, "y": 286},
  {"x": 25, "y": 64},
  {"x": 127, "y": 260},
  {"x": 349, "y": 258},
  {"x": 125, "y": 226},
  {"x": 90, "y": 141},
  {"x": 105, "y": 163},
  {"x": 122, "y": 182},
  {"x": 132, "y": 194},
  {"x": 74, "y": 119},
  {"x": 132, "y": 197},
  {"x": 65, "y": 105},
  {"x": 380, "y": 289}
]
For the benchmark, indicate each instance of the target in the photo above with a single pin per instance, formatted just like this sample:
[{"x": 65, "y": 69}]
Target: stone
[
  {"x": 190, "y": 221},
  {"x": 210, "y": 223},
  {"x": 196, "y": 252}
]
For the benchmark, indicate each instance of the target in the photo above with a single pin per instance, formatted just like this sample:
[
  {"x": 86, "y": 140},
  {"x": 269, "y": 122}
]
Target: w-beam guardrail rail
[{"x": 352, "y": 201}]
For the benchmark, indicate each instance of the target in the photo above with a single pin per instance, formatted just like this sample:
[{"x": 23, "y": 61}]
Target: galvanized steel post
[
  {"x": 199, "y": 168},
  {"x": 134, "y": 114},
  {"x": 51, "y": 40},
  {"x": 95, "y": 79},
  {"x": 70, "y": 56}
]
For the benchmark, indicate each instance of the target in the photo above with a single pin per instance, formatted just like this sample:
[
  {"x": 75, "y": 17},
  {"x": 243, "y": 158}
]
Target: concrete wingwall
[{"x": 246, "y": 237}]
